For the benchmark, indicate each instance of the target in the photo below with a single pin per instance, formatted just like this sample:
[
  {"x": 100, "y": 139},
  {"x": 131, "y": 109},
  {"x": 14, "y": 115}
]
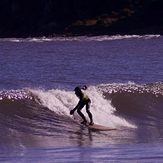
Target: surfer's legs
[
  {"x": 81, "y": 114},
  {"x": 89, "y": 113}
]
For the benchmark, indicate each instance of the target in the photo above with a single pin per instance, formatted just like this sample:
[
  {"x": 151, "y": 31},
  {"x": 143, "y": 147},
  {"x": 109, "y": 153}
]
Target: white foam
[
  {"x": 61, "y": 102},
  {"x": 81, "y": 38}
]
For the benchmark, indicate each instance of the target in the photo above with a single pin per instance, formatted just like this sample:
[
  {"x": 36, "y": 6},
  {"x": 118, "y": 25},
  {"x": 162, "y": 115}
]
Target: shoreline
[{"x": 79, "y": 32}]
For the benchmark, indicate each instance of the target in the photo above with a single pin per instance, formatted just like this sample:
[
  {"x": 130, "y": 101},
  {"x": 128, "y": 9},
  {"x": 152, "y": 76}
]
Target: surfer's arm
[{"x": 76, "y": 107}]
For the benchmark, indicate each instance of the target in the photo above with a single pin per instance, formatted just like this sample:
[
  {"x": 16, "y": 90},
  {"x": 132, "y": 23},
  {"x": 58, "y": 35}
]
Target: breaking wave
[{"x": 45, "y": 112}]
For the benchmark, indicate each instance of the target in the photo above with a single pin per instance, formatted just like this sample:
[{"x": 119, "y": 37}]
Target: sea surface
[{"x": 124, "y": 76}]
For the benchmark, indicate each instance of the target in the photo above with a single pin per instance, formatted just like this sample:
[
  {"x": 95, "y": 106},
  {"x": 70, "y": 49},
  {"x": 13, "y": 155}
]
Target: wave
[
  {"x": 80, "y": 38},
  {"x": 139, "y": 103},
  {"x": 46, "y": 112}
]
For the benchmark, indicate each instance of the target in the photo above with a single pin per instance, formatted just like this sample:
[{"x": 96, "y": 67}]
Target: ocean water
[{"x": 124, "y": 75}]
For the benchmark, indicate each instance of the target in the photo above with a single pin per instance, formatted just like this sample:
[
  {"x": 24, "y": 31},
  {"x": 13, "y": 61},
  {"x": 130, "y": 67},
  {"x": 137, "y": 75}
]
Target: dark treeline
[{"x": 24, "y": 18}]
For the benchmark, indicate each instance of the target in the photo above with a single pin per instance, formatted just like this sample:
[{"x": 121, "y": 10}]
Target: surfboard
[{"x": 100, "y": 127}]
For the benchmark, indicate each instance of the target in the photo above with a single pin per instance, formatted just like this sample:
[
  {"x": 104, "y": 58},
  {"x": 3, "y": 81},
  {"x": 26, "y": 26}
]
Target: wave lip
[
  {"x": 155, "y": 88},
  {"x": 15, "y": 95}
]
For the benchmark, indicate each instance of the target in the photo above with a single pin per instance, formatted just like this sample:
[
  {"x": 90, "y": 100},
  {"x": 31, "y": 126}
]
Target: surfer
[{"x": 83, "y": 101}]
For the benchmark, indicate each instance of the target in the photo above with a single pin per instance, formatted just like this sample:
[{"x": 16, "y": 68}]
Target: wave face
[
  {"x": 46, "y": 112},
  {"x": 139, "y": 103}
]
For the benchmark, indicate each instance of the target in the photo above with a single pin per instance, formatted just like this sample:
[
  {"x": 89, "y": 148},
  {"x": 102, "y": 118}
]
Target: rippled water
[{"x": 124, "y": 76}]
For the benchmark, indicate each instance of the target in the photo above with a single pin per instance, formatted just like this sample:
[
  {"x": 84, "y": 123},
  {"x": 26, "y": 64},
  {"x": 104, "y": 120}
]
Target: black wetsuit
[{"x": 83, "y": 101}]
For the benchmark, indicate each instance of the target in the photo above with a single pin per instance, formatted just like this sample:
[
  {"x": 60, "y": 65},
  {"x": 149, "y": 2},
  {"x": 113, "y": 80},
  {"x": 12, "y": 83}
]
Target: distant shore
[
  {"x": 90, "y": 32},
  {"x": 51, "y": 18}
]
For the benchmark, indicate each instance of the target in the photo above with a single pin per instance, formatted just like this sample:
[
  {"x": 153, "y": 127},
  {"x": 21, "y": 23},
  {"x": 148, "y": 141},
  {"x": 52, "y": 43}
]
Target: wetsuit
[{"x": 83, "y": 101}]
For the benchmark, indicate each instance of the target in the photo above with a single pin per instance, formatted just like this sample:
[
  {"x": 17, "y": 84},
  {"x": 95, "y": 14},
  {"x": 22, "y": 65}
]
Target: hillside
[{"x": 20, "y": 18}]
